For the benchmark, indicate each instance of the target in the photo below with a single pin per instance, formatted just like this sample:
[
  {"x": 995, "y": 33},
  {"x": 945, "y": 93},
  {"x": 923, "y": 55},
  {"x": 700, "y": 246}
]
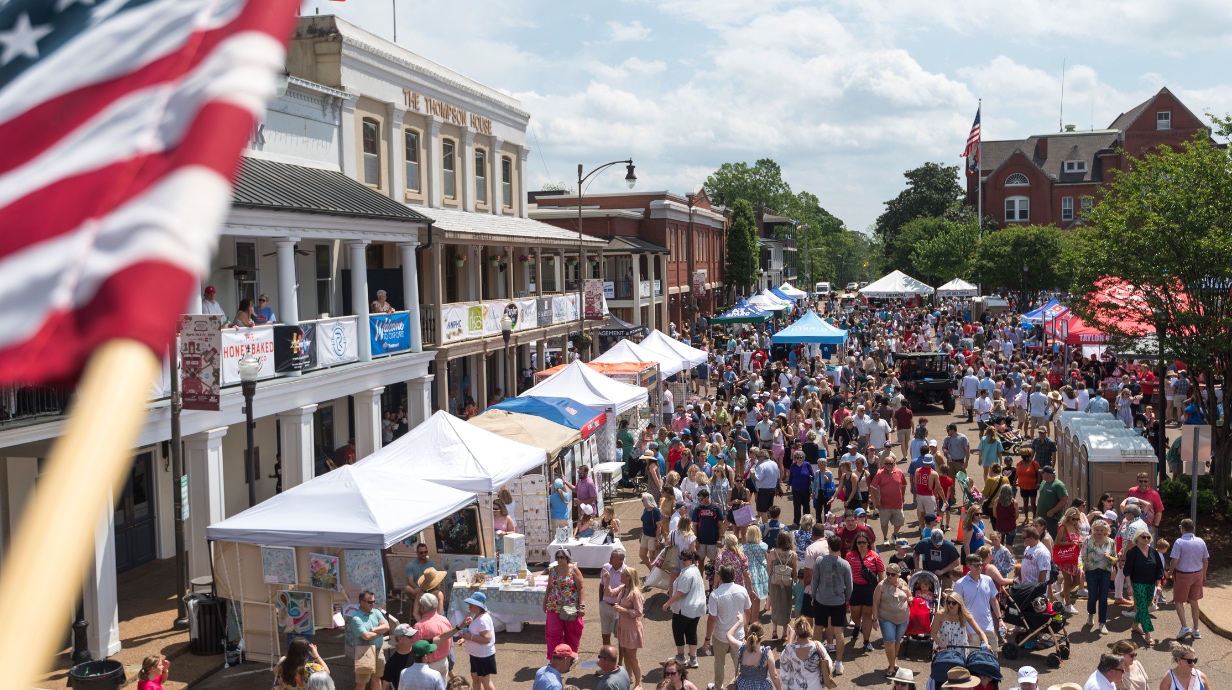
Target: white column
[
  {"x": 473, "y": 271},
  {"x": 664, "y": 317},
  {"x": 100, "y": 601},
  {"x": 498, "y": 188},
  {"x": 468, "y": 171},
  {"x": 347, "y": 144},
  {"x": 367, "y": 430},
  {"x": 419, "y": 400},
  {"x": 637, "y": 289},
  {"x": 650, "y": 268},
  {"x": 410, "y": 291},
  {"x": 397, "y": 151},
  {"x": 519, "y": 204},
  {"x": 479, "y": 382},
  {"x": 194, "y": 299},
  {"x": 298, "y": 448},
  {"x": 288, "y": 297},
  {"x": 359, "y": 296},
  {"x": 434, "y": 162},
  {"x": 206, "y": 500}
]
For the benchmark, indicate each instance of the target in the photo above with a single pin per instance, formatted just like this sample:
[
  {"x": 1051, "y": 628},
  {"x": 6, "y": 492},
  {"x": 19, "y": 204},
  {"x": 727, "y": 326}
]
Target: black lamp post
[
  {"x": 81, "y": 650},
  {"x": 250, "y": 367},
  {"x": 631, "y": 180},
  {"x": 506, "y": 325}
]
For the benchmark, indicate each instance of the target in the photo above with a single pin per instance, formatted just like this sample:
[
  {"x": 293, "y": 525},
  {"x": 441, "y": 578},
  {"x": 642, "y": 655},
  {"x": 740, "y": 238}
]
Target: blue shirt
[
  {"x": 1098, "y": 403},
  {"x": 415, "y": 569},
  {"x": 800, "y": 476},
  {"x": 420, "y": 677},
  {"x": 558, "y": 508},
  {"x": 651, "y": 517},
  {"x": 548, "y": 678},
  {"x": 263, "y": 315}
]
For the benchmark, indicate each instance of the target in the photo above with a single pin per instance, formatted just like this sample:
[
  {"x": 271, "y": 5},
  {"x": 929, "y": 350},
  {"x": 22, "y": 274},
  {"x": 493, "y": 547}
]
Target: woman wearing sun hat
[
  {"x": 480, "y": 639},
  {"x": 430, "y": 583}
]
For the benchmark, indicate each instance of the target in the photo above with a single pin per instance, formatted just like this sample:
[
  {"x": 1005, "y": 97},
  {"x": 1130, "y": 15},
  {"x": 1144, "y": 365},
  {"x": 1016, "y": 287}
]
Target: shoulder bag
[{"x": 782, "y": 575}]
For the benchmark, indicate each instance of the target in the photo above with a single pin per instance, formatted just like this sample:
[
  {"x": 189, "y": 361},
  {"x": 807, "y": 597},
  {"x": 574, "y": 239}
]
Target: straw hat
[
  {"x": 431, "y": 579},
  {"x": 959, "y": 677},
  {"x": 1065, "y": 686}
]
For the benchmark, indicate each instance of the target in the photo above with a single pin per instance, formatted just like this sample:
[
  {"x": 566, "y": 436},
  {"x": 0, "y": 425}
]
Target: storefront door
[{"x": 135, "y": 534}]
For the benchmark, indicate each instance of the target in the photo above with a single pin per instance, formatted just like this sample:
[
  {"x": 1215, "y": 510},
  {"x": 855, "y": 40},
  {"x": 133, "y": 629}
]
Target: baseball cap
[
  {"x": 903, "y": 543},
  {"x": 1110, "y": 515},
  {"x": 1041, "y": 430},
  {"x": 930, "y": 517},
  {"x": 1048, "y": 470},
  {"x": 422, "y": 648},
  {"x": 936, "y": 536},
  {"x": 564, "y": 650},
  {"x": 558, "y": 484},
  {"x": 851, "y": 445},
  {"x": 587, "y": 509},
  {"x": 404, "y": 630},
  {"x": 860, "y": 512},
  {"x": 932, "y": 443},
  {"x": 1028, "y": 674}
]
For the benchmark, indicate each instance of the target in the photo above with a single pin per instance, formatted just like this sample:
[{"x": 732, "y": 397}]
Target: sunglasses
[
  {"x": 667, "y": 674},
  {"x": 1191, "y": 662},
  {"x": 951, "y": 602},
  {"x": 367, "y": 601},
  {"x": 1144, "y": 481}
]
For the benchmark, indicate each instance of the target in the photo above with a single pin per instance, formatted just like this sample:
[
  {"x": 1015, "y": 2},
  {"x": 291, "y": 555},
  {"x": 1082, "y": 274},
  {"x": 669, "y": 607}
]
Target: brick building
[
  {"x": 652, "y": 261},
  {"x": 1052, "y": 178}
]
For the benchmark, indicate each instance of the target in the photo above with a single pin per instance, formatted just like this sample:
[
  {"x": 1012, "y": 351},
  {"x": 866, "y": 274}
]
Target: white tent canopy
[
  {"x": 628, "y": 351},
  {"x": 657, "y": 342},
  {"x": 446, "y": 450},
  {"x": 791, "y": 291},
  {"x": 352, "y": 507},
  {"x": 895, "y": 285},
  {"x": 958, "y": 288},
  {"x": 589, "y": 387},
  {"x": 767, "y": 303}
]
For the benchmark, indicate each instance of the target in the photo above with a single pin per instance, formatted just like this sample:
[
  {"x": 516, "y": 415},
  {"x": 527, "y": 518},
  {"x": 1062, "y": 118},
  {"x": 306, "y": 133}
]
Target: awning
[
  {"x": 810, "y": 328},
  {"x": 958, "y": 288},
  {"x": 564, "y": 411},
  {"x": 528, "y": 429},
  {"x": 616, "y": 327},
  {"x": 789, "y": 290},
  {"x": 582, "y": 383},
  {"x": 1049, "y": 311},
  {"x": 629, "y": 351},
  {"x": 657, "y": 342}
]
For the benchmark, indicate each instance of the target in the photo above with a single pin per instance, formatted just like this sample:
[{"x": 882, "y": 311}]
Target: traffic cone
[{"x": 962, "y": 513}]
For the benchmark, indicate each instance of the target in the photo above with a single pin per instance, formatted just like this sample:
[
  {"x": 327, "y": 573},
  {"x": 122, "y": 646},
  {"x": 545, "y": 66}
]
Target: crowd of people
[{"x": 783, "y": 601}]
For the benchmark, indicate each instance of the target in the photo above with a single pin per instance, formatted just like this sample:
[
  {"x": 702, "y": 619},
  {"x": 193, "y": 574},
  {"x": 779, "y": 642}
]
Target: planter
[{"x": 459, "y": 262}]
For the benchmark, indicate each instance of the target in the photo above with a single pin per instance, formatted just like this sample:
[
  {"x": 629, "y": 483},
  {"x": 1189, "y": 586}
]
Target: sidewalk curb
[{"x": 1215, "y": 628}]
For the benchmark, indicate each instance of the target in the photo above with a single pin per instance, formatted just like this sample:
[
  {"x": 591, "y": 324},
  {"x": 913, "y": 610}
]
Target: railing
[
  {"x": 18, "y": 403},
  {"x": 427, "y": 324}
]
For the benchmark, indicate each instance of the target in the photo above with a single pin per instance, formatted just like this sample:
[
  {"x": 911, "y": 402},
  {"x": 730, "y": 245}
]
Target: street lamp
[
  {"x": 250, "y": 367},
  {"x": 631, "y": 180},
  {"x": 506, "y": 326}
]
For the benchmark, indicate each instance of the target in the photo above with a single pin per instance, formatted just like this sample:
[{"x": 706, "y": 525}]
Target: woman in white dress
[
  {"x": 951, "y": 624},
  {"x": 804, "y": 665}
]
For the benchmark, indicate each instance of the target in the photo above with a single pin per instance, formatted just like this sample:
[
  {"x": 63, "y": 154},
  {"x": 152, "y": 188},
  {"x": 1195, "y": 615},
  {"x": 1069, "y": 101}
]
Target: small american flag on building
[
  {"x": 972, "y": 150},
  {"x": 121, "y": 123}
]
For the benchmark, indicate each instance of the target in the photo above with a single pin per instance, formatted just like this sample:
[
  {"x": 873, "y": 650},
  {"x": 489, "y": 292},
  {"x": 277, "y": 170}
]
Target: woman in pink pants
[{"x": 564, "y": 603}]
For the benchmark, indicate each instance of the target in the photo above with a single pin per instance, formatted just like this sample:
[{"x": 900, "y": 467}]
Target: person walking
[
  {"x": 687, "y": 604},
  {"x": 800, "y": 480},
  {"x": 1188, "y": 566},
  {"x": 867, "y": 570},
  {"x": 1053, "y": 497},
  {"x": 1143, "y": 567},
  {"x": 891, "y": 610},
  {"x": 727, "y": 605},
  {"x": 759, "y": 577},
  {"x": 979, "y": 597},
  {"x": 550, "y": 677},
  {"x": 564, "y": 603},
  {"x": 832, "y": 586},
  {"x": 889, "y": 489},
  {"x": 782, "y": 565},
  {"x": 629, "y": 632},
  {"x": 804, "y": 664},
  {"x": 610, "y": 592},
  {"x": 1099, "y": 561},
  {"x": 652, "y": 517},
  {"x": 755, "y": 669}
]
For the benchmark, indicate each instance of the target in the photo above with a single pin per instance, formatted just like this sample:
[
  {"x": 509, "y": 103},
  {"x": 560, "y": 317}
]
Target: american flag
[
  {"x": 121, "y": 123},
  {"x": 972, "y": 151}
]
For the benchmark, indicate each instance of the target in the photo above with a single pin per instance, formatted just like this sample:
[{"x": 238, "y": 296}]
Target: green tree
[
  {"x": 1156, "y": 258},
  {"x": 741, "y": 247},
  {"x": 814, "y": 228},
  {"x": 947, "y": 254},
  {"x": 901, "y": 254},
  {"x": 1020, "y": 259},
  {"x": 932, "y": 191},
  {"x": 760, "y": 184}
]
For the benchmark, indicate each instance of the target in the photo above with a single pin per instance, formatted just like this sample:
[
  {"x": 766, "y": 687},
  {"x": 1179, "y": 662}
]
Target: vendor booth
[
  {"x": 615, "y": 328},
  {"x": 660, "y": 344},
  {"x": 993, "y": 305},
  {"x": 619, "y": 400},
  {"x": 895, "y": 285},
  {"x": 792, "y": 292},
  {"x": 743, "y": 312},
  {"x": 1071, "y": 330},
  {"x": 1051, "y": 310},
  {"x": 958, "y": 288},
  {"x": 563, "y": 411},
  {"x": 813, "y": 330},
  {"x": 290, "y": 563},
  {"x": 629, "y": 351},
  {"x": 768, "y": 301}
]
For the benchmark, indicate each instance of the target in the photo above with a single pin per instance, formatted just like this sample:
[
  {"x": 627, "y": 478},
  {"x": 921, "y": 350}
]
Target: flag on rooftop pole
[
  {"x": 972, "y": 151},
  {"x": 121, "y": 124}
]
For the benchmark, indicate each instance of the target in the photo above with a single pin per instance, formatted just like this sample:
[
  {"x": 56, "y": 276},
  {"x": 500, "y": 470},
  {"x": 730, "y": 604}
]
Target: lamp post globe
[
  {"x": 506, "y": 326},
  {"x": 630, "y": 178}
]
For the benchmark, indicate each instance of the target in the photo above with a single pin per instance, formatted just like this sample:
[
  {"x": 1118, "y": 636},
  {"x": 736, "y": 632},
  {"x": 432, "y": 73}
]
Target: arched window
[{"x": 1017, "y": 180}]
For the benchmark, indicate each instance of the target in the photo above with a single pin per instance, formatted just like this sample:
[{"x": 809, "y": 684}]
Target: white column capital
[
  {"x": 358, "y": 243},
  {"x": 298, "y": 449},
  {"x": 434, "y": 124},
  {"x": 209, "y": 439},
  {"x": 371, "y": 393},
  {"x": 395, "y": 111},
  {"x": 297, "y": 414},
  {"x": 409, "y": 244},
  {"x": 286, "y": 241},
  {"x": 468, "y": 136}
]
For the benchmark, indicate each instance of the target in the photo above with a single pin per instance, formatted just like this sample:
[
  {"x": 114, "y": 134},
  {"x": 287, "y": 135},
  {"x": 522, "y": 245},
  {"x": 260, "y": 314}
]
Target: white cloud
[
  {"x": 633, "y": 31},
  {"x": 633, "y": 66}
]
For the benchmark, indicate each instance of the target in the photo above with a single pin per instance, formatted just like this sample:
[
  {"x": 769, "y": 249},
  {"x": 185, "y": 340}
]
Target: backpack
[{"x": 771, "y": 536}]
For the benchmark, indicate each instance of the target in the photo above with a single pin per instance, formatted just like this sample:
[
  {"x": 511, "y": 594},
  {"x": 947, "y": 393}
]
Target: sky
[{"x": 845, "y": 95}]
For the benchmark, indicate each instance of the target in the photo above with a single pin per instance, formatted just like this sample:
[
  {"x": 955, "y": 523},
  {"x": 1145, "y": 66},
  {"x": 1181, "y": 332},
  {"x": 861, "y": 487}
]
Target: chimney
[{"x": 1041, "y": 148}]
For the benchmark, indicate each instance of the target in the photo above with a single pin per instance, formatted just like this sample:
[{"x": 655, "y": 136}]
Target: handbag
[
  {"x": 1065, "y": 554},
  {"x": 658, "y": 579},
  {"x": 744, "y": 515},
  {"x": 782, "y": 575},
  {"x": 365, "y": 661},
  {"x": 670, "y": 555},
  {"x": 568, "y": 612}
]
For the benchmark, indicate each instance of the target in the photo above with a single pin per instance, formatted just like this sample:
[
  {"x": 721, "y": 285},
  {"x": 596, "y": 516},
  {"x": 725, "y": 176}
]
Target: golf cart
[{"x": 926, "y": 380}]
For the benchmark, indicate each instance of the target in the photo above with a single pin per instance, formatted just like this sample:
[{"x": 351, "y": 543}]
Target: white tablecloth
[
  {"x": 511, "y": 609},
  {"x": 585, "y": 554}
]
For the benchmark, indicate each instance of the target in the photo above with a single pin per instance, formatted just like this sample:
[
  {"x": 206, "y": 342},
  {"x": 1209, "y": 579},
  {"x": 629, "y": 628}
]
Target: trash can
[
  {"x": 207, "y": 624},
  {"x": 106, "y": 674}
]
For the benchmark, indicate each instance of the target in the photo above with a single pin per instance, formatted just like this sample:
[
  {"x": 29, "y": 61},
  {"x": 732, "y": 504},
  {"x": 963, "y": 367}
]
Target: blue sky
[{"x": 845, "y": 95}]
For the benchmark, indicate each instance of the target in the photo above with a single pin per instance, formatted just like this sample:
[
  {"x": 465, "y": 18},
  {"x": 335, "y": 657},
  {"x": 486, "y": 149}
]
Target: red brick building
[
  {"x": 1052, "y": 178},
  {"x": 653, "y": 260}
]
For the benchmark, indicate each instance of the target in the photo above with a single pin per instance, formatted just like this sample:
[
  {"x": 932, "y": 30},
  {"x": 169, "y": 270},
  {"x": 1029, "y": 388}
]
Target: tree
[
  {"x": 1156, "y": 259},
  {"x": 814, "y": 227},
  {"x": 932, "y": 191},
  {"x": 760, "y": 184},
  {"x": 901, "y": 254},
  {"x": 741, "y": 246},
  {"x": 947, "y": 254},
  {"x": 1022, "y": 259}
]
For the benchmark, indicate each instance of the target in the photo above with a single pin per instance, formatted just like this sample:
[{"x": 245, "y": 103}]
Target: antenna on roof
[{"x": 1061, "y": 117}]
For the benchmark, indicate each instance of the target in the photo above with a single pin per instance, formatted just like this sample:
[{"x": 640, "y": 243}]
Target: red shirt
[
  {"x": 871, "y": 559},
  {"x": 921, "y": 481},
  {"x": 890, "y": 485},
  {"x": 1148, "y": 495},
  {"x": 903, "y": 417},
  {"x": 848, "y": 536},
  {"x": 1147, "y": 381}
]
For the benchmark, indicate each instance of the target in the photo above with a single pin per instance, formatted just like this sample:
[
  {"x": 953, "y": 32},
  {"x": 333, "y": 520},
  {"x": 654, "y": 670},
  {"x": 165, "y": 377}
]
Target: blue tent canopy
[
  {"x": 563, "y": 411},
  {"x": 743, "y": 312},
  {"x": 781, "y": 295},
  {"x": 810, "y": 328},
  {"x": 1051, "y": 310}
]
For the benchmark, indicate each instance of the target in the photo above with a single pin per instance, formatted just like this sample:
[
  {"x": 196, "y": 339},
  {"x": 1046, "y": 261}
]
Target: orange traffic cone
[{"x": 962, "y": 513}]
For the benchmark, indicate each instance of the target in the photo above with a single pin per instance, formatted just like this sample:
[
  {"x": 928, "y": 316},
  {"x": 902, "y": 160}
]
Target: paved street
[{"x": 521, "y": 654}]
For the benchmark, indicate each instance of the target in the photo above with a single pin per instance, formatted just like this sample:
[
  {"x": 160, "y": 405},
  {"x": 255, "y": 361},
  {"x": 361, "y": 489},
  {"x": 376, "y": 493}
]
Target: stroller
[
  {"x": 1039, "y": 626},
  {"x": 980, "y": 662},
  {"x": 920, "y": 624},
  {"x": 1011, "y": 440}
]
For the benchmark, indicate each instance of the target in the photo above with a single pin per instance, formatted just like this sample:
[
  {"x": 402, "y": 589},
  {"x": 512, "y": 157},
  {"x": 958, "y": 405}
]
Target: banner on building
[
  {"x": 200, "y": 361},
  {"x": 337, "y": 341},
  {"x": 295, "y": 348},
  {"x": 609, "y": 289},
  {"x": 594, "y": 299},
  {"x": 390, "y": 333},
  {"x": 528, "y": 314},
  {"x": 699, "y": 282},
  {"x": 543, "y": 310},
  {"x": 455, "y": 317},
  {"x": 237, "y": 342}
]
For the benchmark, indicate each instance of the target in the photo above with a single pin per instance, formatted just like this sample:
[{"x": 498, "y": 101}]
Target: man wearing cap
[
  {"x": 708, "y": 523},
  {"x": 210, "y": 305},
  {"x": 852, "y": 455},
  {"x": 551, "y": 676},
  {"x": 889, "y": 487},
  {"x": 1028, "y": 678},
  {"x": 1053, "y": 497},
  {"x": 878, "y": 431},
  {"x": 1044, "y": 447},
  {"x": 983, "y": 409},
  {"x": 938, "y": 555},
  {"x": 927, "y": 488},
  {"x": 1107, "y": 674},
  {"x": 862, "y": 422},
  {"x": 903, "y": 556},
  {"x": 404, "y": 639},
  {"x": 420, "y": 676}
]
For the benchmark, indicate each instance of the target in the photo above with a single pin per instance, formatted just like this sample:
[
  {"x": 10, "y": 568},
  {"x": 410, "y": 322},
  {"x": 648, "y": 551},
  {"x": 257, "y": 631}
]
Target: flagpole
[{"x": 979, "y": 173}]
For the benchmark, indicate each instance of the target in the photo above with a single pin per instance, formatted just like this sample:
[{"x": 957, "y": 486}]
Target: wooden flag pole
[{"x": 54, "y": 542}]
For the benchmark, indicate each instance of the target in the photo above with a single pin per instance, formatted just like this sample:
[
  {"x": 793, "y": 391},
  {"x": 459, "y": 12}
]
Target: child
[
  {"x": 924, "y": 591},
  {"x": 770, "y": 533},
  {"x": 797, "y": 594},
  {"x": 1162, "y": 547},
  {"x": 153, "y": 672}
]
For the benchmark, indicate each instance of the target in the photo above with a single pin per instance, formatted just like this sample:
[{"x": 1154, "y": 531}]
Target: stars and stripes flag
[
  {"x": 972, "y": 150},
  {"x": 121, "y": 123}
]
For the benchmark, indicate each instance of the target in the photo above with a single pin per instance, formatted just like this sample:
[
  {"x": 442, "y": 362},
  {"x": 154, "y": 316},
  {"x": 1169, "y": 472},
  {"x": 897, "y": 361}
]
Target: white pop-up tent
[
  {"x": 589, "y": 387},
  {"x": 629, "y": 351},
  {"x": 958, "y": 288},
  {"x": 768, "y": 301},
  {"x": 657, "y": 342},
  {"x": 895, "y": 285},
  {"x": 791, "y": 291},
  {"x": 352, "y": 507},
  {"x": 446, "y": 450}
]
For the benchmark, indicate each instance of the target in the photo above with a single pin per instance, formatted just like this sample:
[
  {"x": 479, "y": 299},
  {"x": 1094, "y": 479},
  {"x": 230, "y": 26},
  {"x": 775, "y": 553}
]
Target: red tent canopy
[{"x": 1079, "y": 333}]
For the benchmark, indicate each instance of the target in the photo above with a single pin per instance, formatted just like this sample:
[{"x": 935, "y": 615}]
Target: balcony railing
[
  {"x": 20, "y": 403},
  {"x": 427, "y": 323}
]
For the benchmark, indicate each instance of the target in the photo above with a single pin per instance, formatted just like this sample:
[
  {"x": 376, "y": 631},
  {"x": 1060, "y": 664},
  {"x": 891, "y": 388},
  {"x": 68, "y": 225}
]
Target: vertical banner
[
  {"x": 294, "y": 349},
  {"x": 594, "y": 299},
  {"x": 390, "y": 333},
  {"x": 337, "y": 341},
  {"x": 699, "y": 282},
  {"x": 200, "y": 360},
  {"x": 543, "y": 308},
  {"x": 455, "y": 321}
]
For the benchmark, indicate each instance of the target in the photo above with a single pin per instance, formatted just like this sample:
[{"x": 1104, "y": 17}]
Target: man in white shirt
[
  {"x": 1036, "y": 561},
  {"x": 878, "y": 431},
  {"x": 1107, "y": 674},
  {"x": 1037, "y": 408},
  {"x": 669, "y": 405},
  {"x": 983, "y": 408},
  {"x": 766, "y": 476},
  {"x": 969, "y": 386},
  {"x": 727, "y": 603},
  {"x": 979, "y": 595},
  {"x": 209, "y": 304},
  {"x": 862, "y": 422}
]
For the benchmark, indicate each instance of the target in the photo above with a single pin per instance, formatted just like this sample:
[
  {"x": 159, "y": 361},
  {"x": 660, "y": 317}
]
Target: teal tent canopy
[
  {"x": 743, "y": 312},
  {"x": 811, "y": 329}
]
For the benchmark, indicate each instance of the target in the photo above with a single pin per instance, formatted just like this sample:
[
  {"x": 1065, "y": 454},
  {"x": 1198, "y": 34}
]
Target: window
[
  {"x": 1087, "y": 203},
  {"x": 1017, "y": 180},
  {"x": 1067, "y": 208},
  {"x": 507, "y": 182},
  {"x": 481, "y": 182},
  {"x": 447, "y": 163},
  {"x": 1017, "y": 209},
  {"x": 324, "y": 273},
  {"x": 372, "y": 153},
  {"x": 411, "y": 139},
  {"x": 1075, "y": 166},
  {"x": 246, "y": 283},
  {"x": 1163, "y": 119}
]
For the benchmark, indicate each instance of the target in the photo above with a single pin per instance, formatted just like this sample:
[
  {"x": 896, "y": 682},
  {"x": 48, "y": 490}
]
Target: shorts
[
  {"x": 1187, "y": 587},
  {"x": 892, "y": 632},
  {"x": 968, "y": 402},
  {"x": 361, "y": 679},
  {"x": 649, "y": 543},
  {"x": 765, "y": 499},
  {"x": 560, "y": 522},
  {"x": 904, "y": 435},
  {"x": 862, "y": 595},
  {"x": 1028, "y": 493},
  {"x": 607, "y": 617},
  {"x": 481, "y": 666},
  {"x": 829, "y": 616},
  {"x": 891, "y": 516},
  {"x": 710, "y": 551},
  {"x": 926, "y": 504},
  {"x": 1038, "y": 421}
]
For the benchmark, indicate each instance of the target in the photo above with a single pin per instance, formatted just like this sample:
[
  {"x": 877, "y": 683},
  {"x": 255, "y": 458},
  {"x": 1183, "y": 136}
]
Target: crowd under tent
[
  {"x": 811, "y": 329},
  {"x": 895, "y": 285},
  {"x": 958, "y": 288},
  {"x": 743, "y": 312}
]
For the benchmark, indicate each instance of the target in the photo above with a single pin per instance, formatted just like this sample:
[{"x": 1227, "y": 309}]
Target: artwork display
[
  {"x": 365, "y": 570},
  {"x": 601, "y": 537},
  {"x": 488, "y": 566},
  {"x": 563, "y": 535},
  {"x": 459, "y": 533},
  {"x": 278, "y": 565},
  {"x": 510, "y": 564},
  {"x": 324, "y": 571},
  {"x": 293, "y": 612},
  {"x": 342, "y": 612}
]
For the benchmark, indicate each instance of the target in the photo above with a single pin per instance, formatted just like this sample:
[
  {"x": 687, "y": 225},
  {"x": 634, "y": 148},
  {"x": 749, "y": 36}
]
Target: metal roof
[
  {"x": 265, "y": 184},
  {"x": 636, "y": 245},
  {"x": 502, "y": 229}
]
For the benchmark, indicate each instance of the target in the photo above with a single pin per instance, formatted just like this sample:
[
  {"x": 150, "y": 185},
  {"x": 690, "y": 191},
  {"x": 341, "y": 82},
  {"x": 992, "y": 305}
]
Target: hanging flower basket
[
  {"x": 524, "y": 258},
  {"x": 460, "y": 261},
  {"x": 551, "y": 260},
  {"x": 580, "y": 340},
  {"x": 571, "y": 261},
  {"x": 494, "y": 260}
]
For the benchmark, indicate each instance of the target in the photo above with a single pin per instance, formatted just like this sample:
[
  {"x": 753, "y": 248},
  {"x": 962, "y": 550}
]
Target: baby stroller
[
  {"x": 920, "y": 623},
  {"x": 1004, "y": 423},
  {"x": 980, "y": 662},
  {"x": 1039, "y": 626}
]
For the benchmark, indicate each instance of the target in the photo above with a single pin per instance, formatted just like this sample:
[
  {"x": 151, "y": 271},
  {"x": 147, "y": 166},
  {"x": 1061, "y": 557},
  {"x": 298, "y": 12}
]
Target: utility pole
[
  {"x": 689, "y": 254},
  {"x": 177, "y": 494}
]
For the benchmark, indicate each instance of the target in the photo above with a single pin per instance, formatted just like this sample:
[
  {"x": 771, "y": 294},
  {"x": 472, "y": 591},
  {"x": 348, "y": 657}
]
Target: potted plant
[
  {"x": 493, "y": 259},
  {"x": 460, "y": 260},
  {"x": 580, "y": 340},
  {"x": 551, "y": 260},
  {"x": 524, "y": 258}
]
